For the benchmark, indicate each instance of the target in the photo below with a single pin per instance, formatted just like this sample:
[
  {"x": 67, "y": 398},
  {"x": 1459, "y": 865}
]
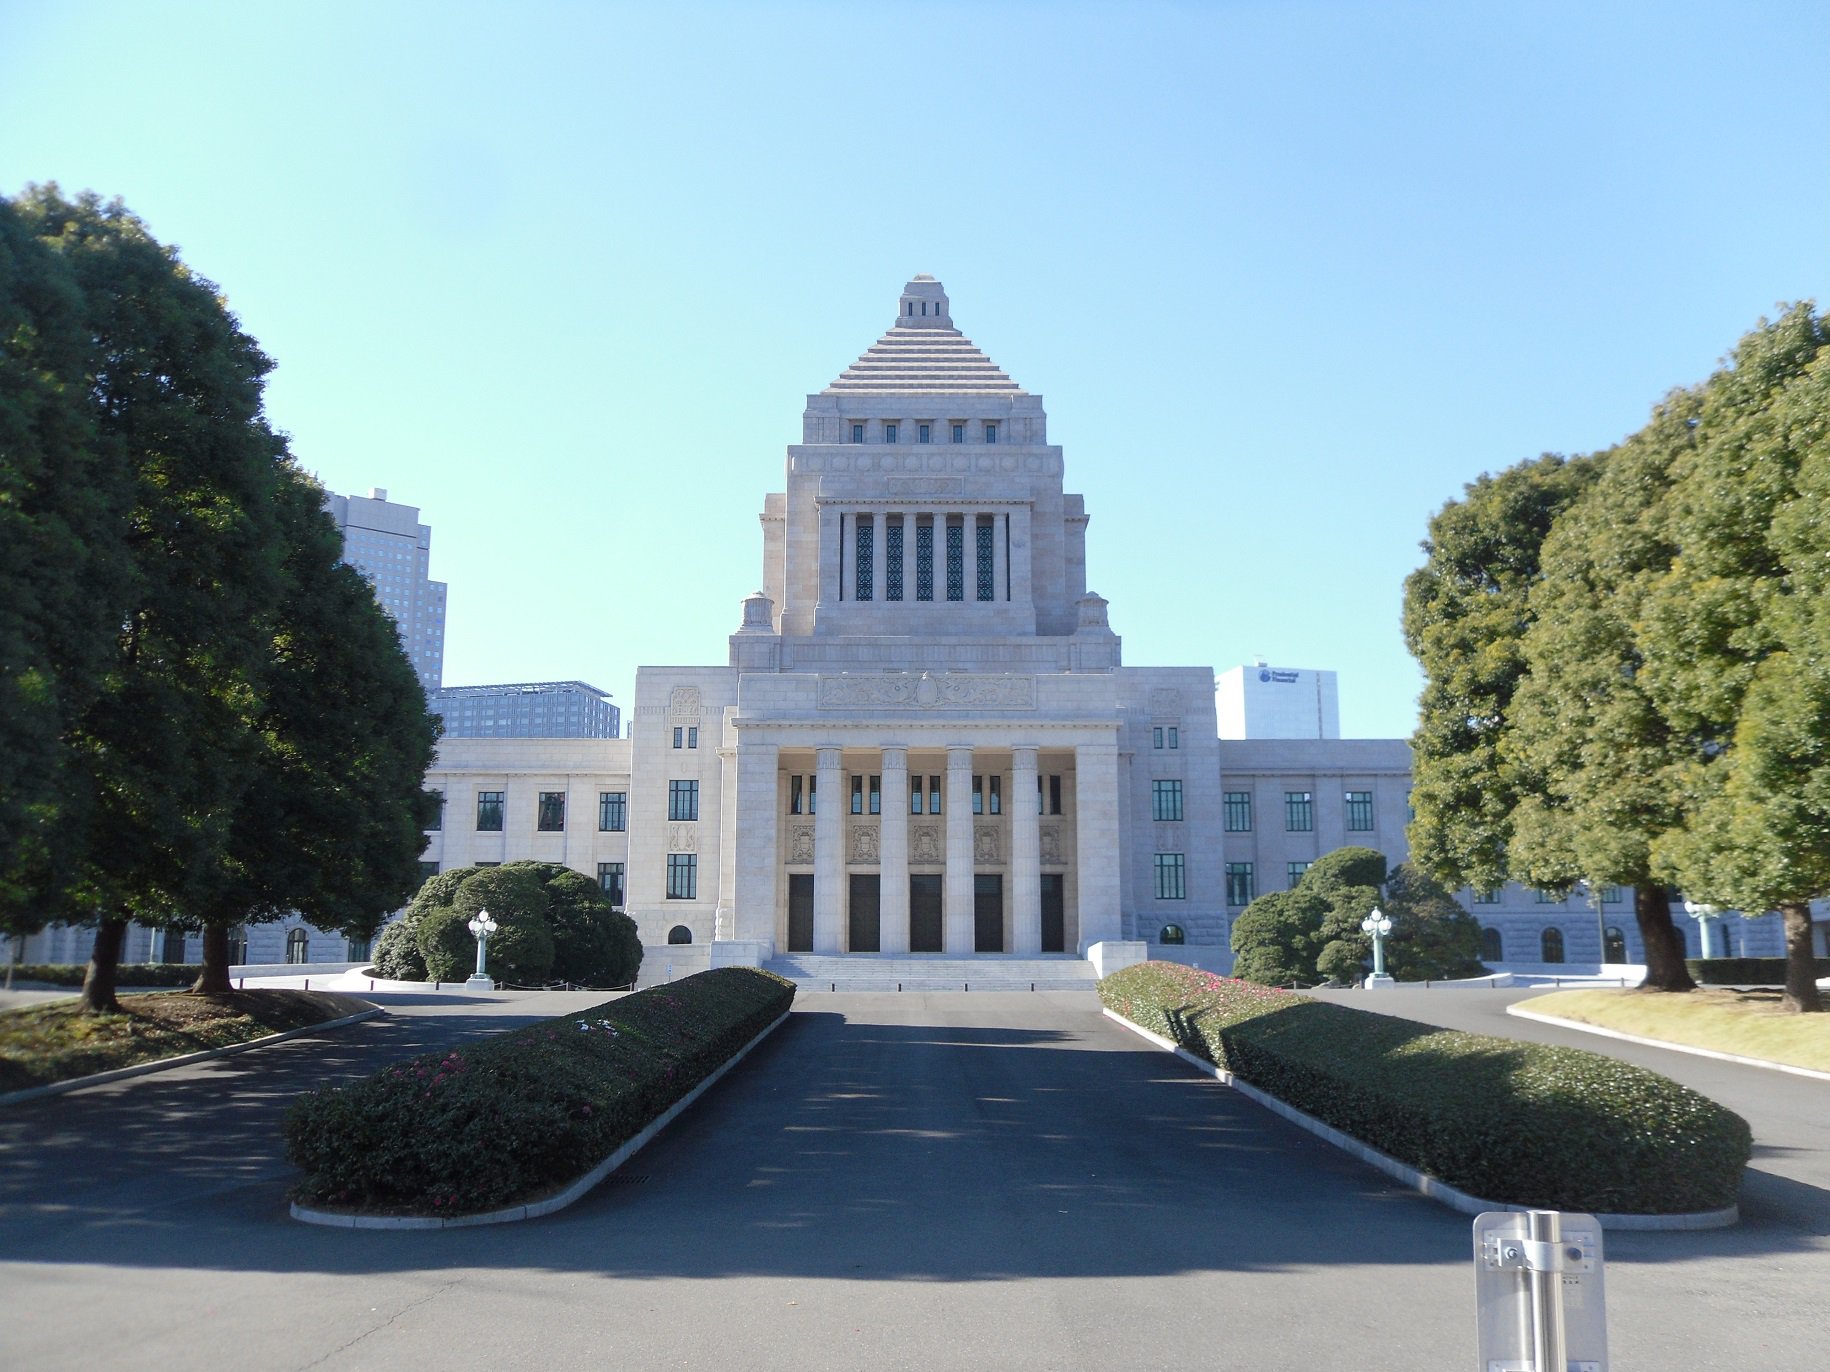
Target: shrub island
[
  {"x": 543, "y": 1105},
  {"x": 1519, "y": 1123}
]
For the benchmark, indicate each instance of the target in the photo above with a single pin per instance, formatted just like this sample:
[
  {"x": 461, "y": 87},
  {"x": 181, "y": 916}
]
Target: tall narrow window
[
  {"x": 1054, "y": 795},
  {"x": 813, "y": 794},
  {"x": 956, "y": 558},
  {"x": 914, "y": 795},
  {"x": 924, "y": 558},
  {"x": 438, "y": 815},
  {"x": 612, "y": 811},
  {"x": 876, "y": 795},
  {"x": 934, "y": 795},
  {"x": 857, "y": 793},
  {"x": 991, "y": 433},
  {"x": 924, "y": 433},
  {"x": 959, "y": 433},
  {"x": 1166, "y": 800},
  {"x": 1299, "y": 812},
  {"x": 857, "y": 433},
  {"x": 610, "y": 881},
  {"x": 683, "y": 876},
  {"x": 489, "y": 811},
  {"x": 551, "y": 817},
  {"x": 1238, "y": 812},
  {"x": 978, "y": 795},
  {"x": 889, "y": 433},
  {"x": 1171, "y": 877},
  {"x": 987, "y": 582},
  {"x": 1240, "y": 887},
  {"x": 1359, "y": 812},
  {"x": 692, "y": 736},
  {"x": 679, "y": 738},
  {"x": 865, "y": 561},
  {"x": 1156, "y": 737},
  {"x": 892, "y": 559},
  {"x": 1550, "y": 944},
  {"x": 683, "y": 800},
  {"x": 1175, "y": 737},
  {"x": 1493, "y": 947},
  {"x": 994, "y": 802}
]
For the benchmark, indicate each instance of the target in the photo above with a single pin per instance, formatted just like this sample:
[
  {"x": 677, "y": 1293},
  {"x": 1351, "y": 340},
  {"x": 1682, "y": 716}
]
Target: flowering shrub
[
  {"x": 1521, "y": 1123},
  {"x": 523, "y": 1113}
]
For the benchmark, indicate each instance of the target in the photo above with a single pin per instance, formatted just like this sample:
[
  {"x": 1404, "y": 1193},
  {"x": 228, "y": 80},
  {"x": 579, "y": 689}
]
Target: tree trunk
[
  {"x": 1665, "y": 970},
  {"x": 104, "y": 961},
  {"x": 214, "y": 978},
  {"x": 1801, "y": 967}
]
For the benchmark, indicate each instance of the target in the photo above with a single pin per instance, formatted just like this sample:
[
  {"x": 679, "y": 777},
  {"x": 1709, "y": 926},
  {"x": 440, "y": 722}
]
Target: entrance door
[
  {"x": 866, "y": 915},
  {"x": 988, "y": 913},
  {"x": 924, "y": 912},
  {"x": 1054, "y": 914},
  {"x": 800, "y": 912}
]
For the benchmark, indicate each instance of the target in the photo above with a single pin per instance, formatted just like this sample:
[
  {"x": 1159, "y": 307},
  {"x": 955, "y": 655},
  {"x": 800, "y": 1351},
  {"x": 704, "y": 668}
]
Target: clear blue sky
[{"x": 1286, "y": 274}]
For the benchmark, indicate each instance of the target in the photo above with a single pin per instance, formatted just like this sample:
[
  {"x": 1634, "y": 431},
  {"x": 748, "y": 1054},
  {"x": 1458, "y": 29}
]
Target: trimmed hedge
[
  {"x": 1520, "y": 1123},
  {"x": 1745, "y": 971},
  {"x": 127, "y": 974},
  {"x": 503, "y": 1121}
]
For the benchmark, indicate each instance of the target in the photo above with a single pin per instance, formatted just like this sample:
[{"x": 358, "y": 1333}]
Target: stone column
[
  {"x": 893, "y": 851},
  {"x": 829, "y": 556},
  {"x": 757, "y": 863},
  {"x": 1022, "y": 591},
  {"x": 1000, "y": 562},
  {"x": 828, "y": 850},
  {"x": 1025, "y": 854},
  {"x": 956, "y": 901},
  {"x": 1096, "y": 842},
  {"x": 908, "y": 557}
]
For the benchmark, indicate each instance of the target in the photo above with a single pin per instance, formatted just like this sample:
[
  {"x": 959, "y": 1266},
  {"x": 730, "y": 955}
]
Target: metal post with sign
[{"x": 1539, "y": 1305}]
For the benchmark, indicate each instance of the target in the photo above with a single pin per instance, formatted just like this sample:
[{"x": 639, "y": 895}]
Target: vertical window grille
[
  {"x": 1238, "y": 812},
  {"x": 1610, "y": 895},
  {"x": 683, "y": 876},
  {"x": 1299, "y": 812},
  {"x": 552, "y": 813},
  {"x": 683, "y": 800},
  {"x": 892, "y": 559},
  {"x": 1166, "y": 800},
  {"x": 876, "y": 793},
  {"x": 1171, "y": 877},
  {"x": 1359, "y": 811},
  {"x": 866, "y": 559},
  {"x": 610, "y": 881},
  {"x": 612, "y": 811},
  {"x": 924, "y": 560},
  {"x": 956, "y": 558},
  {"x": 934, "y": 795},
  {"x": 857, "y": 793},
  {"x": 1240, "y": 888},
  {"x": 987, "y": 583}
]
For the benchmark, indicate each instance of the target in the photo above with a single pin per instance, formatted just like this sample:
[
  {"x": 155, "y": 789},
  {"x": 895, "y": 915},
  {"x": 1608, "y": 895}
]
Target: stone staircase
[{"x": 935, "y": 972}]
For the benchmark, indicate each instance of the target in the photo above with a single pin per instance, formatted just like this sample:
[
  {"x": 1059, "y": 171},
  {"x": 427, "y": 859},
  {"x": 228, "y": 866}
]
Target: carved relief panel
[{"x": 800, "y": 843}]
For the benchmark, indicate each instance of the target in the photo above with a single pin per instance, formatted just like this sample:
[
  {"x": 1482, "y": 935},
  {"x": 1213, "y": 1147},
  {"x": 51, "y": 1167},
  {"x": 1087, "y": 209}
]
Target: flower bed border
[
  {"x": 572, "y": 1192},
  {"x": 1433, "y": 1187}
]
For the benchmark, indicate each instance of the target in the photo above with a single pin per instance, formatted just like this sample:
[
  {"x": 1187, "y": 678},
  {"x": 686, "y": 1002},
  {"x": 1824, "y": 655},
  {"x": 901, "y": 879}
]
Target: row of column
[
  {"x": 957, "y": 900},
  {"x": 852, "y": 586}
]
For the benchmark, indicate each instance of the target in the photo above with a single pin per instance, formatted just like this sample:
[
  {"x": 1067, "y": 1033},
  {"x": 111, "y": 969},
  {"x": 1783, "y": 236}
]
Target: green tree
[
  {"x": 520, "y": 951},
  {"x": 1465, "y": 616},
  {"x": 1598, "y": 754},
  {"x": 1348, "y": 882},
  {"x": 1432, "y": 935},
  {"x": 153, "y": 756},
  {"x": 594, "y": 943},
  {"x": 1274, "y": 938},
  {"x": 1738, "y": 639}
]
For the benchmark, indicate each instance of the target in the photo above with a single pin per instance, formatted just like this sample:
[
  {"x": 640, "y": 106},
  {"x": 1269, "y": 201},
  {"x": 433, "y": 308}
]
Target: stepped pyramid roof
[{"x": 924, "y": 354}]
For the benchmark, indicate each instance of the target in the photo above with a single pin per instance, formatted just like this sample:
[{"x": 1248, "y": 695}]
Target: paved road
[{"x": 917, "y": 1181}]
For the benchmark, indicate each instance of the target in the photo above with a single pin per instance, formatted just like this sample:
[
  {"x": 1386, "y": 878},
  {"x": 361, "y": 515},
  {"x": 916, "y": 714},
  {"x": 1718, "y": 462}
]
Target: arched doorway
[{"x": 679, "y": 934}]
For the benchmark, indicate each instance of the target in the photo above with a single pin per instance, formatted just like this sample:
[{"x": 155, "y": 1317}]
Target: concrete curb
[
  {"x": 576, "y": 1191},
  {"x": 1423, "y": 1182},
  {"x": 1694, "y": 1051},
  {"x": 141, "y": 1069}
]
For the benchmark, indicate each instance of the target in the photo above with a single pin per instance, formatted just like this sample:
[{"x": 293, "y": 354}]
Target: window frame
[
  {"x": 550, "y": 812},
  {"x": 682, "y": 800},
  {"x": 612, "y": 812},
  {"x": 1166, "y": 800},
  {"x": 1299, "y": 812},
  {"x": 682, "y": 876},
  {"x": 495, "y": 804},
  {"x": 1170, "y": 873}
]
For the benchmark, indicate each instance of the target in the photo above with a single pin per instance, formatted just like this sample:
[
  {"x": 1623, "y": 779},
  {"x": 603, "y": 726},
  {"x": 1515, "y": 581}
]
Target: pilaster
[
  {"x": 1025, "y": 854},
  {"x": 893, "y": 852},
  {"x": 957, "y": 902},
  {"x": 828, "y": 851}
]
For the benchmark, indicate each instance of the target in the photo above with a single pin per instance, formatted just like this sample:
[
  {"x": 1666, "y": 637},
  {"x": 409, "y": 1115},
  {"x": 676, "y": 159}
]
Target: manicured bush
[
  {"x": 594, "y": 943},
  {"x": 1745, "y": 971},
  {"x": 1520, "y": 1123},
  {"x": 563, "y": 926},
  {"x": 525, "y": 1112},
  {"x": 397, "y": 955},
  {"x": 520, "y": 951},
  {"x": 127, "y": 974}
]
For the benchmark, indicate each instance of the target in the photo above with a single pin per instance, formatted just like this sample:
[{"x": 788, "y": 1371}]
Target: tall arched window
[
  {"x": 1172, "y": 933},
  {"x": 1551, "y": 942},
  {"x": 298, "y": 945},
  {"x": 1493, "y": 948},
  {"x": 679, "y": 934},
  {"x": 1614, "y": 949}
]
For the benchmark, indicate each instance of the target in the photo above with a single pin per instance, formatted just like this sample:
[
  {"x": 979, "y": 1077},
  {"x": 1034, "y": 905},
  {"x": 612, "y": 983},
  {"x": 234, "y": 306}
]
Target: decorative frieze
[
  {"x": 864, "y": 843},
  {"x": 924, "y": 843},
  {"x": 985, "y": 843},
  {"x": 800, "y": 843},
  {"x": 952, "y": 691}
]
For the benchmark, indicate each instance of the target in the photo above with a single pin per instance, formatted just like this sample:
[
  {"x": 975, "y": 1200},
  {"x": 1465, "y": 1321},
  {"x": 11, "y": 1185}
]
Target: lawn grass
[
  {"x": 1748, "y": 1024},
  {"x": 55, "y": 1041}
]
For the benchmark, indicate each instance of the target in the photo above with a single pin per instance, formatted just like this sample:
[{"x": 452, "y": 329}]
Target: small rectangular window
[
  {"x": 1294, "y": 872},
  {"x": 552, "y": 813},
  {"x": 857, "y": 433},
  {"x": 692, "y": 736},
  {"x": 934, "y": 795},
  {"x": 1360, "y": 812},
  {"x": 489, "y": 812},
  {"x": 857, "y": 793},
  {"x": 876, "y": 795},
  {"x": 1156, "y": 737},
  {"x": 679, "y": 738},
  {"x": 610, "y": 881},
  {"x": 1612, "y": 895},
  {"x": 612, "y": 811},
  {"x": 1486, "y": 897},
  {"x": 683, "y": 876},
  {"x": 1166, "y": 800},
  {"x": 1238, "y": 812},
  {"x": 991, "y": 433},
  {"x": 889, "y": 433},
  {"x": 959, "y": 433},
  {"x": 427, "y": 870},
  {"x": 1240, "y": 886},
  {"x": 1175, "y": 737},
  {"x": 1171, "y": 877},
  {"x": 924, "y": 433},
  {"x": 1299, "y": 812},
  {"x": 683, "y": 800}
]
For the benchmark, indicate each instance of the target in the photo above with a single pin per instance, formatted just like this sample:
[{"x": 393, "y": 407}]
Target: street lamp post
[
  {"x": 1702, "y": 914},
  {"x": 1378, "y": 924},
  {"x": 482, "y": 926}
]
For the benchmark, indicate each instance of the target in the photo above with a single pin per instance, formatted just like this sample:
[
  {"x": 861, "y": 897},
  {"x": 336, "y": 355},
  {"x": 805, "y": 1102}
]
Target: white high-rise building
[
  {"x": 394, "y": 550},
  {"x": 1262, "y": 701}
]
